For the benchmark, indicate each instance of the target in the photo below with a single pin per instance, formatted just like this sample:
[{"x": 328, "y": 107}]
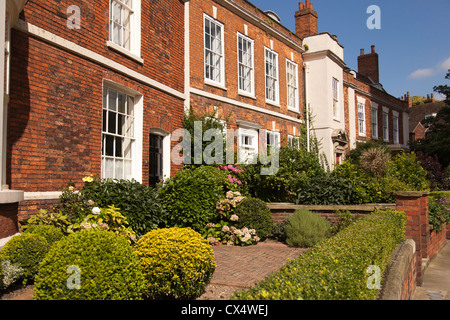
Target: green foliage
[
  {"x": 49, "y": 232},
  {"x": 178, "y": 263},
  {"x": 306, "y": 229},
  {"x": 108, "y": 219},
  {"x": 44, "y": 217},
  {"x": 141, "y": 205},
  {"x": 294, "y": 165},
  {"x": 344, "y": 219},
  {"x": 402, "y": 172},
  {"x": 406, "y": 168},
  {"x": 26, "y": 251},
  {"x": 355, "y": 154},
  {"x": 336, "y": 268},
  {"x": 328, "y": 189},
  {"x": 209, "y": 121},
  {"x": 437, "y": 141},
  {"x": 190, "y": 197},
  {"x": 108, "y": 269},
  {"x": 439, "y": 209},
  {"x": 253, "y": 213}
]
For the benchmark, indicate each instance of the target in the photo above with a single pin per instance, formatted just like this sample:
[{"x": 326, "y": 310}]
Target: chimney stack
[
  {"x": 368, "y": 65},
  {"x": 306, "y": 20}
]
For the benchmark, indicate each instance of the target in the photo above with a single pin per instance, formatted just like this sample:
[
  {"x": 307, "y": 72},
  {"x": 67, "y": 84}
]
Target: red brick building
[
  {"x": 95, "y": 87},
  {"x": 247, "y": 68}
]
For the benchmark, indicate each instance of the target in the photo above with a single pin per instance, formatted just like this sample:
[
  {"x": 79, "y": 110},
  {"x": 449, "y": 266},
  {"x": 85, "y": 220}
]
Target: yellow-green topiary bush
[{"x": 178, "y": 263}]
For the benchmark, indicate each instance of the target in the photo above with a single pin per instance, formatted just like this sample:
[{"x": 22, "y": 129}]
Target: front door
[{"x": 156, "y": 160}]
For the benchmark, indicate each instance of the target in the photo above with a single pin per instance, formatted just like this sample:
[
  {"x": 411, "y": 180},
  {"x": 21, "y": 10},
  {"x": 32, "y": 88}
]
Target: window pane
[
  {"x": 109, "y": 168},
  {"x": 118, "y": 169},
  {"x": 111, "y": 122}
]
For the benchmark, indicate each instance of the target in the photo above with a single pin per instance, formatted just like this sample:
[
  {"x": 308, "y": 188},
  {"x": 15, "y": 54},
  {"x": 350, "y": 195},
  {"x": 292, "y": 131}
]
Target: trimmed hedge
[{"x": 335, "y": 269}]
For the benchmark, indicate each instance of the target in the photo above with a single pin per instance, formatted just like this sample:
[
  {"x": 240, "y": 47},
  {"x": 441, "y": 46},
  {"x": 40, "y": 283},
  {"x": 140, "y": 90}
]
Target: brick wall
[
  {"x": 8, "y": 220},
  {"x": 55, "y": 111}
]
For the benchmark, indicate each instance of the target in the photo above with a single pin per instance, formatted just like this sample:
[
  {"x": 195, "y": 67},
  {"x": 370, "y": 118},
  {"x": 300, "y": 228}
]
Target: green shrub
[
  {"x": 325, "y": 190},
  {"x": 294, "y": 165},
  {"x": 336, "y": 268},
  {"x": 190, "y": 197},
  {"x": 44, "y": 217},
  {"x": 178, "y": 263},
  {"x": 49, "y": 232},
  {"x": 439, "y": 209},
  {"x": 306, "y": 229},
  {"x": 408, "y": 169},
  {"x": 107, "y": 267},
  {"x": 279, "y": 230},
  {"x": 26, "y": 251},
  {"x": 253, "y": 213},
  {"x": 141, "y": 205}
]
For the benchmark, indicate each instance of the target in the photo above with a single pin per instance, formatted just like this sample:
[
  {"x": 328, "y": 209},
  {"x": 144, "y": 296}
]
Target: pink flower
[
  {"x": 239, "y": 182},
  {"x": 230, "y": 166},
  {"x": 229, "y": 177}
]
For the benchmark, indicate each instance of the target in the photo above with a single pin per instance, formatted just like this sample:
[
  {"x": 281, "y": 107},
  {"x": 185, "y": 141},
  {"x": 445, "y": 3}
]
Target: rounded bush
[
  {"x": 305, "y": 229},
  {"x": 26, "y": 251},
  {"x": 49, "y": 232},
  {"x": 190, "y": 197},
  {"x": 92, "y": 264},
  {"x": 178, "y": 263},
  {"x": 253, "y": 213}
]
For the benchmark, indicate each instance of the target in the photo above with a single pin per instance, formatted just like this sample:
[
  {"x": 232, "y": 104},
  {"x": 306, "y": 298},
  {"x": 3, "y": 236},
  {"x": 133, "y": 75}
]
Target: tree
[{"x": 437, "y": 141}]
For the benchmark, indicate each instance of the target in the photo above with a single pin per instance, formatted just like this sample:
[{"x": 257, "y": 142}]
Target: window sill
[
  {"x": 215, "y": 84},
  {"x": 294, "y": 110},
  {"x": 273, "y": 103},
  {"x": 247, "y": 95},
  {"x": 124, "y": 52}
]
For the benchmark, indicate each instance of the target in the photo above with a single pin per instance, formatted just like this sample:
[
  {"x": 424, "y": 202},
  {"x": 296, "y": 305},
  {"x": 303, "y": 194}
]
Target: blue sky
[{"x": 413, "y": 43}]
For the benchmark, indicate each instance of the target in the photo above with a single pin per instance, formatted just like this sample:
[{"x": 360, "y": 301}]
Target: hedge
[{"x": 335, "y": 269}]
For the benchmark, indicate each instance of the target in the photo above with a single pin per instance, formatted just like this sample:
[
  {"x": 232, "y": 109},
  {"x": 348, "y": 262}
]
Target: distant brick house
[
  {"x": 419, "y": 113},
  {"x": 95, "y": 95}
]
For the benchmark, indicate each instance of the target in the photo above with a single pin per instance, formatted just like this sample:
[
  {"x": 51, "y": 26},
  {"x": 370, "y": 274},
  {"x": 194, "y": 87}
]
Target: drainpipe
[
  {"x": 306, "y": 66},
  {"x": 3, "y": 96}
]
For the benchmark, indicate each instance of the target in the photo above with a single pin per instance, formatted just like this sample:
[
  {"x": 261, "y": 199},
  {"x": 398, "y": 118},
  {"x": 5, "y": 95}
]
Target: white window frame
[
  {"x": 247, "y": 147},
  {"x": 292, "y": 85},
  {"x": 293, "y": 141},
  {"x": 220, "y": 54},
  {"x": 272, "y": 139},
  {"x": 135, "y": 121},
  {"x": 249, "y": 67},
  {"x": 396, "y": 127},
  {"x": 335, "y": 94},
  {"x": 385, "y": 124},
  {"x": 361, "y": 117},
  {"x": 133, "y": 49},
  {"x": 273, "y": 76},
  {"x": 374, "y": 120}
]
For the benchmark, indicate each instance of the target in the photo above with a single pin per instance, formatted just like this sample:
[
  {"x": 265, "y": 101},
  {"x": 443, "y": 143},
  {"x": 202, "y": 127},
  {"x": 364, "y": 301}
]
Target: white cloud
[
  {"x": 446, "y": 64},
  {"x": 421, "y": 73},
  {"x": 428, "y": 72}
]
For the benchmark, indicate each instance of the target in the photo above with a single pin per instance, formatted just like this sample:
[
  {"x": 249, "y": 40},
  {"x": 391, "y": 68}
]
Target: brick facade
[
  {"x": 384, "y": 101},
  {"x": 56, "y": 95},
  {"x": 230, "y": 102}
]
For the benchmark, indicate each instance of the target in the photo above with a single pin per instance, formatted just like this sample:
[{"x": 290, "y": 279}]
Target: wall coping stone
[{"x": 397, "y": 271}]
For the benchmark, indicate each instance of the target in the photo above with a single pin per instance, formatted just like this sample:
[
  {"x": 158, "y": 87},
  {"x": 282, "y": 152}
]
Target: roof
[{"x": 417, "y": 113}]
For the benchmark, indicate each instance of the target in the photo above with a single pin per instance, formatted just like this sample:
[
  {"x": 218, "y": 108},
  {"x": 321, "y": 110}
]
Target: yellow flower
[
  {"x": 71, "y": 188},
  {"x": 88, "y": 179}
]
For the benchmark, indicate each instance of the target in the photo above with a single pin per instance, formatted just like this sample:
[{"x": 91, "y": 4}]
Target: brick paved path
[{"x": 243, "y": 266}]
